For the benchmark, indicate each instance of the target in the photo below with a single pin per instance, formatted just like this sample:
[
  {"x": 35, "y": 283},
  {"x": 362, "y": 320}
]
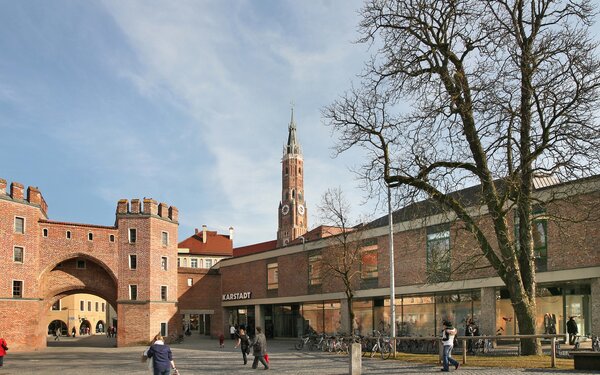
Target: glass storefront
[{"x": 555, "y": 305}]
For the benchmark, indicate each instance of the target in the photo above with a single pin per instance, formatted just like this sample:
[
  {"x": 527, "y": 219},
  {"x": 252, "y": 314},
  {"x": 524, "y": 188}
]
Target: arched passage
[{"x": 84, "y": 279}]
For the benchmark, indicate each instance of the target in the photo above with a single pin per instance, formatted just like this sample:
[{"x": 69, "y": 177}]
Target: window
[
  {"x": 89, "y": 305},
  {"x": 165, "y": 238},
  {"x": 539, "y": 234},
  {"x": 163, "y": 263},
  {"x": 194, "y": 263},
  {"x": 209, "y": 263},
  {"x": 97, "y": 306},
  {"x": 314, "y": 270},
  {"x": 90, "y": 236},
  {"x": 133, "y": 292},
  {"x": 368, "y": 262},
  {"x": 190, "y": 281},
  {"x": 163, "y": 329},
  {"x": 132, "y": 261},
  {"x": 178, "y": 262},
  {"x": 185, "y": 262},
  {"x": 272, "y": 276},
  {"x": 55, "y": 306},
  {"x": 19, "y": 225},
  {"x": 18, "y": 254},
  {"x": 17, "y": 289},
  {"x": 45, "y": 232},
  {"x": 132, "y": 235},
  {"x": 81, "y": 264},
  {"x": 68, "y": 235},
  {"x": 438, "y": 254},
  {"x": 163, "y": 293},
  {"x": 103, "y": 306},
  {"x": 111, "y": 238},
  {"x": 81, "y": 305}
]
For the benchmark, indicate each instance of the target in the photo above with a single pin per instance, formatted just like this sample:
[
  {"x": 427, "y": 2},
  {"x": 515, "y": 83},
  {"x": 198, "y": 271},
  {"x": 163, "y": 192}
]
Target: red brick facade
[{"x": 60, "y": 259}]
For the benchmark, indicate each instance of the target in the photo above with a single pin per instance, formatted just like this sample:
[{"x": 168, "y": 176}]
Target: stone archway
[{"x": 77, "y": 274}]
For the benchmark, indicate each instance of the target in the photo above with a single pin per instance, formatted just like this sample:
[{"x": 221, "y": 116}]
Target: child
[{"x": 221, "y": 341}]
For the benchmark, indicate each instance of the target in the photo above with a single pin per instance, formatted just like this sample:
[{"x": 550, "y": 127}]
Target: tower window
[
  {"x": 286, "y": 171},
  {"x": 17, "y": 289},
  {"x": 45, "y": 232},
  {"x": 133, "y": 292},
  {"x": 19, "y": 225},
  {"x": 111, "y": 238},
  {"x": 132, "y": 235},
  {"x": 299, "y": 170},
  {"x": 293, "y": 194},
  {"x": 68, "y": 235},
  {"x": 90, "y": 236}
]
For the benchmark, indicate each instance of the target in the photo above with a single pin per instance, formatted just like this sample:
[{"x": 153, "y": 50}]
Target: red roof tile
[
  {"x": 255, "y": 248},
  {"x": 216, "y": 244}
]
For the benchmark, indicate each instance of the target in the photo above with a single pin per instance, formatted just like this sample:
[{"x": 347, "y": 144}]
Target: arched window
[{"x": 45, "y": 232}]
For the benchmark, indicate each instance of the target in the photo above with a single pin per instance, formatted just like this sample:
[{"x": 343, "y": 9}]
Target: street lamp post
[{"x": 392, "y": 280}]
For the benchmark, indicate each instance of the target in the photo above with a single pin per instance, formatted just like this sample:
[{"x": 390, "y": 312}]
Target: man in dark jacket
[
  {"x": 259, "y": 346},
  {"x": 162, "y": 358},
  {"x": 572, "y": 330}
]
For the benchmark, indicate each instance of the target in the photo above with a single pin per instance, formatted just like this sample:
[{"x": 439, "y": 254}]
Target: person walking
[
  {"x": 244, "y": 343},
  {"x": 162, "y": 357},
  {"x": 259, "y": 346},
  {"x": 470, "y": 331},
  {"x": 57, "y": 334},
  {"x": 3, "y": 349},
  {"x": 448, "y": 334},
  {"x": 572, "y": 330},
  {"x": 232, "y": 331}
]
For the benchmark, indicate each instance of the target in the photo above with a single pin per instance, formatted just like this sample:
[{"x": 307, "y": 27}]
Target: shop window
[
  {"x": 17, "y": 291},
  {"x": 133, "y": 292},
  {"x": 132, "y": 235},
  {"x": 163, "y": 293},
  {"x": 165, "y": 238},
  {"x": 368, "y": 262},
  {"x": 132, "y": 261},
  {"x": 314, "y": 270},
  {"x": 18, "y": 254},
  {"x": 438, "y": 254},
  {"x": 272, "y": 276},
  {"x": 19, "y": 225},
  {"x": 163, "y": 263}
]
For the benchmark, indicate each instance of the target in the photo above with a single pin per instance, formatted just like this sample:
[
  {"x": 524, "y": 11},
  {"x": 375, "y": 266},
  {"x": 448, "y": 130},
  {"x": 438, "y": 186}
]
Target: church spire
[{"x": 293, "y": 147}]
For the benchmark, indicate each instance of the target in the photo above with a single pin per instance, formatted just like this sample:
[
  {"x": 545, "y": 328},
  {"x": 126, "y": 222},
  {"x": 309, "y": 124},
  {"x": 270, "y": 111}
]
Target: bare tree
[
  {"x": 341, "y": 258},
  {"x": 499, "y": 91}
]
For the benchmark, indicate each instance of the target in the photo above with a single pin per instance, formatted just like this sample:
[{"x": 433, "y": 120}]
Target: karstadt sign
[{"x": 237, "y": 296}]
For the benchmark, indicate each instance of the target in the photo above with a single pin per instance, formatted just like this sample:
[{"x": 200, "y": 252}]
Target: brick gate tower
[{"x": 292, "y": 207}]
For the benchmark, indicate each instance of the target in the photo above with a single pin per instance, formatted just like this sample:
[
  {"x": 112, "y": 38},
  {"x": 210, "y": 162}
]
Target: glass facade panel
[
  {"x": 313, "y": 317},
  {"x": 368, "y": 262},
  {"x": 418, "y": 315},
  {"x": 332, "y": 316},
  {"x": 272, "y": 276},
  {"x": 438, "y": 254},
  {"x": 363, "y": 317},
  {"x": 314, "y": 270}
]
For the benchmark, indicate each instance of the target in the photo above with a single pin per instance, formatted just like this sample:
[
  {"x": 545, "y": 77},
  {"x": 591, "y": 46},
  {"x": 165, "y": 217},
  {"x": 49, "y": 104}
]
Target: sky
[{"x": 186, "y": 102}]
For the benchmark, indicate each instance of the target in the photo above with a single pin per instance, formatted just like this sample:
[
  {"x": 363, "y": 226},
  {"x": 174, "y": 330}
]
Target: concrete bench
[{"x": 585, "y": 360}]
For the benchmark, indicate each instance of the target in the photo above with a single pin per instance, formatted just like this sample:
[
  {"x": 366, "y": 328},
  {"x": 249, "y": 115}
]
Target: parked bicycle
[{"x": 596, "y": 343}]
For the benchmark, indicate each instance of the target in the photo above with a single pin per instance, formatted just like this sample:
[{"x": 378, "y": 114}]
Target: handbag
[{"x": 267, "y": 357}]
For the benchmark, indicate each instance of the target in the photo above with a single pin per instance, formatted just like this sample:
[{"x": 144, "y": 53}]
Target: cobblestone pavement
[{"x": 97, "y": 355}]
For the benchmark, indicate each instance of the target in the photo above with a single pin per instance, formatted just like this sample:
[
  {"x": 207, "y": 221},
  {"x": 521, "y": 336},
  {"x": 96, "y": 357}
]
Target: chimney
[
  {"x": 162, "y": 210},
  {"x": 122, "y": 206},
  {"x": 203, "y": 233},
  {"x": 150, "y": 206},
  {"x": 195, "y": 230},
  {"x": 135, "y": 206},
  {"x": 173, "y": 213},
  {"x": 231, "y": 233},
  {"x": 2, "y": 186},
  {"x": 16, "y": 190},
  {"x": 34, "y": 196}
]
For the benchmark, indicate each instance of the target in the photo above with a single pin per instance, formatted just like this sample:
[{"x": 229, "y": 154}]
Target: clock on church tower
[{"x": 292, "y": 207}]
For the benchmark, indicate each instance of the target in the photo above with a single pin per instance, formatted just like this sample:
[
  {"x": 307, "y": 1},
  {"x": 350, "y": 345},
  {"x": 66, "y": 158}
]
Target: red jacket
[{"x": 2, "y": 345}]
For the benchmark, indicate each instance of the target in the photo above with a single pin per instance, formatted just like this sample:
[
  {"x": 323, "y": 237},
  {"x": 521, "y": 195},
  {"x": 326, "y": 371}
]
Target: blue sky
[
  {"x": 183, "y": 101},
  {"x": 186, "y": 102}
]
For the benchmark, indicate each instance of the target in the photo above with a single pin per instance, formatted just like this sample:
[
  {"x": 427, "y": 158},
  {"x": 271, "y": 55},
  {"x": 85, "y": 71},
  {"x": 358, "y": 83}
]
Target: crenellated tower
[{"x": 293, "y": 215}]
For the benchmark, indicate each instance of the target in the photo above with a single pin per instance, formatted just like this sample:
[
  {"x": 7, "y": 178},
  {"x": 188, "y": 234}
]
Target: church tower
[{"x": 292, "y": 207}]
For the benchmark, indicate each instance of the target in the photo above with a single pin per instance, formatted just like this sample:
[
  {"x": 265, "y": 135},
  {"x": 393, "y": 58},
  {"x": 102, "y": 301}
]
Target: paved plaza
[{"x": 97, "y": 355}]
